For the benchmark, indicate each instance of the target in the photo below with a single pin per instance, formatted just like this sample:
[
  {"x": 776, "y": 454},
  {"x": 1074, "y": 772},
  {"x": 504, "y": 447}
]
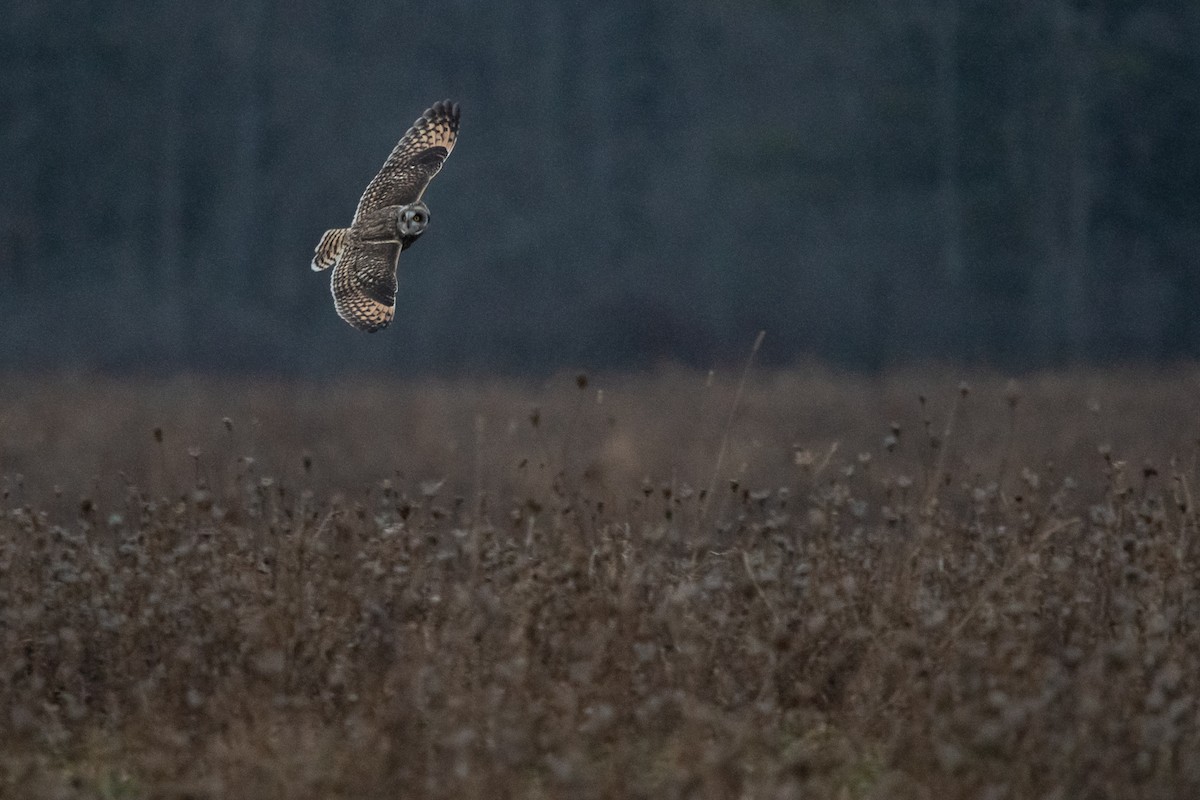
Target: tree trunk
[
  {"x": 1079, "y": 28},
  {"x": 949, "y": 187}
]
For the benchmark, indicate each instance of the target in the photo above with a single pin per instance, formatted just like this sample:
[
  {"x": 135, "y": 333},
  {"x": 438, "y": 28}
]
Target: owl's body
[{"x": 389, "y": 218}]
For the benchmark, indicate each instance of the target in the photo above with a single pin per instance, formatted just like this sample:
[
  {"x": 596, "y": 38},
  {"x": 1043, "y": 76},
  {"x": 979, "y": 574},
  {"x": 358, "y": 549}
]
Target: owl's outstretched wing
[
  {"x": 414, "y": 161},
  {"x": 364, "y": 284}
]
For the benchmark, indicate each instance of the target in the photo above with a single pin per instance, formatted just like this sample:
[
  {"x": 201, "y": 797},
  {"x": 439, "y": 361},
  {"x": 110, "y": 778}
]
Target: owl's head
[{"x": 412, "y": 221}]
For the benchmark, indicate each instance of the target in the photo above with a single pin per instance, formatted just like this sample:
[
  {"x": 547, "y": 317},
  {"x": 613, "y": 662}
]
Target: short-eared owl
[{"x": 389, "y": 218}]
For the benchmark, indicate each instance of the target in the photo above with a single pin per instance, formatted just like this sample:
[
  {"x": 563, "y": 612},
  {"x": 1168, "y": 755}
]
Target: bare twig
[{"x": 733, "y": 408}]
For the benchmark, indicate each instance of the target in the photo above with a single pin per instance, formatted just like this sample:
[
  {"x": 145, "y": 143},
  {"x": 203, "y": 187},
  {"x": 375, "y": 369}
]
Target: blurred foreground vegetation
[{"x": 606, "y": 587}]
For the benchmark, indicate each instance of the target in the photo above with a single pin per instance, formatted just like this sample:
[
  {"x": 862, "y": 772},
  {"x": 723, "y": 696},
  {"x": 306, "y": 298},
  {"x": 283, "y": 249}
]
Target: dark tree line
[{"x": 1002, "y": 181}]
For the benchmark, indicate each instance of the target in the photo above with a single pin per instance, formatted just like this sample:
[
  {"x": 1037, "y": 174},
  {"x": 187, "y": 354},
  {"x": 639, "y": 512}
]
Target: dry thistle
[{"x": 1012, "y": 393}]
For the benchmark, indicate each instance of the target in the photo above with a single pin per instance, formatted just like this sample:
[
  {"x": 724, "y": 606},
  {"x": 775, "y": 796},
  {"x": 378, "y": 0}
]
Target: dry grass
[{"x": 482, "y": 590}]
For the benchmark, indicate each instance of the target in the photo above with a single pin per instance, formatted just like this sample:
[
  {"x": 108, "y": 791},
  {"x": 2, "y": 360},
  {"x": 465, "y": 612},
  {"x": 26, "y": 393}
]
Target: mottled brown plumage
[{"x": 389, "y": 218}]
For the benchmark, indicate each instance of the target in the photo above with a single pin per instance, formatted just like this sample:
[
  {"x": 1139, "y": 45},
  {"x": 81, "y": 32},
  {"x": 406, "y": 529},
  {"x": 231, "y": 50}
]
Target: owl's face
[{"x": 413, "y": 220}]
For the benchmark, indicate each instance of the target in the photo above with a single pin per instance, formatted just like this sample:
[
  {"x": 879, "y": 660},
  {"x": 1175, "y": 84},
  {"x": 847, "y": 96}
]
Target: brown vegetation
[{"x": 245, "y": 589}]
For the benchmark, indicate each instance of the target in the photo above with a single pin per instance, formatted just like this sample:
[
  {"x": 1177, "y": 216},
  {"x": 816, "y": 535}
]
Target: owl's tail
[{"x": 329, "y": 249}]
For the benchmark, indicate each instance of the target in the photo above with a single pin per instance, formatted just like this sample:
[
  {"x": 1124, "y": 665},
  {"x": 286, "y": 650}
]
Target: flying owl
[{"x": 389, "y": 218}]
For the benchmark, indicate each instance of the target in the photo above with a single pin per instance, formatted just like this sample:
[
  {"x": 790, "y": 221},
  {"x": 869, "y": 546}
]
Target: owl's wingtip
[
  {"x": 444, "y": 108},
  {"x": 370, "y": 327}
]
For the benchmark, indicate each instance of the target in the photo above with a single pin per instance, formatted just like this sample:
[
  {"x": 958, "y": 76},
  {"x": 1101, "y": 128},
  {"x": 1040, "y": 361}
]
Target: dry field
[{"x": 615, "y": 587}]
